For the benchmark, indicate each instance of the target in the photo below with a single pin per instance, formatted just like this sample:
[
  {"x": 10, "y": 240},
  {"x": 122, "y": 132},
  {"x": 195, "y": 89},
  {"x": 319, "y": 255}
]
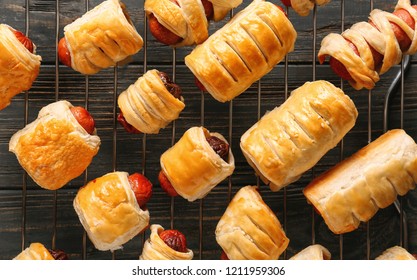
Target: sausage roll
[
  {"x": 185, "y": 22},
  {"x": 55, "y": 148},
  {"x": 155, "y": 248},
  {"x": 293, "y": 137},
  {"x": 352, "y": 191},
  {"x": 37, "y": 251},
  {"x": 249, "y": 230},
  {"x": 313, "y": 252},
  {"x": 109, "y": 211},
  {"x": 396, "y": 253},
  {"x": 99, "y": 39},
  {"x": 242, "y": 51},
  {"x": 303, "y": 7},
  {"x": 151, "y": 103},
  {"x": 367, "y": 49},
  {"x": 193, "y": 166},
  {"x": 19, "y": 65}
]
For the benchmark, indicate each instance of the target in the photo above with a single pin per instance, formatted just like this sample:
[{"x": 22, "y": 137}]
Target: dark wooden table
[{"x": 31, "y": 214}]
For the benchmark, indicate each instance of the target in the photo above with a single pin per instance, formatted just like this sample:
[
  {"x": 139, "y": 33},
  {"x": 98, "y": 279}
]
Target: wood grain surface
[{"x": 27, "y": 212}]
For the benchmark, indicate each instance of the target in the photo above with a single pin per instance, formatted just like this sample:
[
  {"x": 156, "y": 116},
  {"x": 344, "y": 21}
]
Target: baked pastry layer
[
  {"x": 249, "y": 230},
  {"x": 241, "y": 52},
  {"x": 54, "y": 148},
  {"x": 293, "y": 137},
  {"x": 352, "y": 191},
  {"x": 303, "y": 7},
  {"x": 395, "y": 253},
  {"x": 313, "y": 252},
  {"x": 35, "y": 251},
  {"x": 109, "y": 212}
]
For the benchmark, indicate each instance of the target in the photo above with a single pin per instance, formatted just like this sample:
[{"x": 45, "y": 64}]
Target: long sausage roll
[
  {"x": 37, "y": 251},
  {"x": 165, "y": 245},
  {"x": 56, "y": 147},
  {"x": 185, "y": 22},
  {"x": 242, "y": 51},
  {"x": 151, "y": 103},
  {"x": 99, "y": 39},
  {"x": 19, "y": 64},
  {"x": 369, "y": 49},
  {"x": 249, "y": 230},
  {"x": 293, "y": 137},
  {"x": 352, "y": 191},
  {"x": 109, "y": 211},
  {"x": 193, "y": 166},
  {"x": 313, "y": 252},
  {"x": 303, "y": 7},
  {"x": 395, "y": 253}
]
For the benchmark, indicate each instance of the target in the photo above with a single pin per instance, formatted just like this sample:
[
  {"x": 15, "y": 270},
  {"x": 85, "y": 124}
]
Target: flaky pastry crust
[
  {"x": 156, "y": 249},
  {"x": 18, "y": 67},
  {"x": 395, "y": 253},
  {"x": 249, "y": 230},
  {"x": 109, "y": 212},
  {"x": 303, "y": 7},
  {"x": 293, "y": 137},
  {"x": 353, "y": 191},
  {"x": 54, "y": 148},
  {"x": 313, "y": 252},
  {"x": 242, "y": 51},
  {"x": 35, "y": 251}
]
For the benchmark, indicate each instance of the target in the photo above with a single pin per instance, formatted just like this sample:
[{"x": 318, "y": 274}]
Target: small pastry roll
[
  {"x": 242, "y": 51},
  {"x": 396, "y": 253},
  {"x": 109, "y": 212},
  {"x": 99, "y": 39},
  {"x": 156, "y": 249},
  {"x": 37, "y": 251},
  {"x": 193, "y": 167},
  {"x": 352, "y": 191},
  {"x": 303, "y": 7},
  {"x": 249, "y": 230},
  {"x": 19, "y": 67},
  {"x": 313, "y": 252},
  {"x": 293, "y": 137},
  {"x": 148, "y": 105},
  {"x": 55, "y": 148}
]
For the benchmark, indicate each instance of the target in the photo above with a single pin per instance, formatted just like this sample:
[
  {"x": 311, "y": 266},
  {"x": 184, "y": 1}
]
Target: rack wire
[{"x": 399, "y": 80}]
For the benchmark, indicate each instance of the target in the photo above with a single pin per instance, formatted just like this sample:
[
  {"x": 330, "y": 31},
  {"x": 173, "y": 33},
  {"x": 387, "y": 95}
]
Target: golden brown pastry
[
  {"x": 99, "y": 39},
  {"x": 313, "y": 252},
  {"x": 242, "y": 51},
  {"x": 293, "y": 137},
  {"x": 185, "y": 22},
  {"x": 249, "y": 230},
  {"x": 148, "y": 105},
  {"x": 193, "y": 167},
  {"x": 352, "y": 191},
  {"x": 55, "y": 148},
  {"x": 37, "y": 251},
  {"x": 395, "y": 253},
  {"x": 156, "y": 249},
  {"x": 303, "y": 7},
  {"x": 369, "y": 49},
  {"x": 109, "y": 211},
  {"x": 19, "y": 64}
]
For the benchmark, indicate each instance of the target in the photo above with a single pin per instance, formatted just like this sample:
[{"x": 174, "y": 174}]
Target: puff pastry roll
[
  {"x": 303, "y": 7},
  {"x": 193, "y": 166},
  {"x": 249, "y": 230},
  {"x": 313, "y": 252},
  {"x": 242, "y": 51},
  {"x": 99, "y": 39},
  {"x": 155, "y": 248},
  {"x": 37, "y": 251},
  {"x": 19, "y": 64},
  {"x": 352, "y": 191},
  {"x": 395, "y": 253},
  {"x": 368, "y": 49},
  {"x": 109, "y": 211},
  {"x": 151, "y": 103},
  {"x": 185, "y": 22},
  {"x": 293, "y": 137},
  {"x": 55, "y": 148}
]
